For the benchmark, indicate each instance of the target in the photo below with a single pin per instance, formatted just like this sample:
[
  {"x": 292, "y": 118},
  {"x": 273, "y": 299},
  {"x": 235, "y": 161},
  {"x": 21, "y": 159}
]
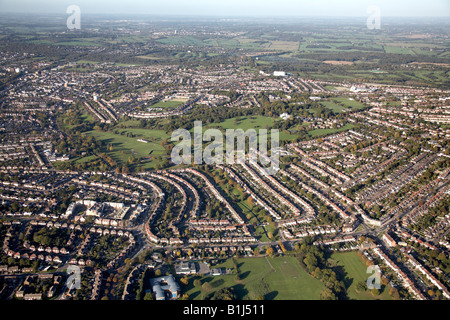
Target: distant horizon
[
  {"x": 125, "y": 16},
  {"x": 236, "y": 8}
]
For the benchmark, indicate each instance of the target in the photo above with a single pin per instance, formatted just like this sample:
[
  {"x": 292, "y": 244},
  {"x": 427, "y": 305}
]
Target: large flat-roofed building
[
  {"x": 186, "y": 268},
  {"x": 279, "y": 74},
  {"x": 165, "y": 285}
]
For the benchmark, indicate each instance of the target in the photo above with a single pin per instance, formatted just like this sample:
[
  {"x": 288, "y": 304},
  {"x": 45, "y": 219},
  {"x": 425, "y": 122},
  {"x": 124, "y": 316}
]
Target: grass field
[
  {"x": 245, "y": 123},
  {"x": 279, "y": 278},
  {"x": 124, "y": 147},
  {"x": 350, "y": 103},
  {"x": 341, "y": 104},
  {"x": 321, "y": 132},
  {"x": 354, "y": 269},
  {"x": 336, "y": 108},
  {"x": 171, "y": 104},
  {"x": 252, "y": 122}
]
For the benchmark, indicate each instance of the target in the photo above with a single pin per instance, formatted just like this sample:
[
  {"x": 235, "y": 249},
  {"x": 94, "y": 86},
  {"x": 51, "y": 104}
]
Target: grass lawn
[
  {"x": 336, "y": 108},
  {"x": 252, "y": 122},
  {"x": 86, "y": 159},
  {"x": 350, "y": 103},
  {"x": 171, "y": 104},
  {"x": 279, "y": 278},
  {"x": 354, "y": 269},
  {"x": 124, "y": 147},
  {"x": 245, "y": 123},
  {"x": 334, "y": 104},
  {"x": 321, "y": 132},
  {"x": 154, "y": 135}
]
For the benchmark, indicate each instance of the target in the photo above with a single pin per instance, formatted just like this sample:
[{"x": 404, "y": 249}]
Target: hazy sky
[{"x": 406, "y": 8}]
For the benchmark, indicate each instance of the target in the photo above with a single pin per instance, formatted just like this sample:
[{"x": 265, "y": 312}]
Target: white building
[{"x": 279, "y": 74}]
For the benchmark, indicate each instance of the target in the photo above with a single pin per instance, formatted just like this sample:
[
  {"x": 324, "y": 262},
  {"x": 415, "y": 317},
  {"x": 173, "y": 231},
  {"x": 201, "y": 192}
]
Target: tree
[
  {"x": 197, "y": 283},
  {"x": 148, "y": 296},
  {"x": 361, "y": 286},
  {"x": 184, "y": 280},
  {"x": 224, "y": 294},
  {"x": 375, "y": 292},
  {"x": 318, "y": 273},
  {"x": 207, "y": 287},
  {"x": 394, "y": 294},
  {"x": 327, "y": 294}
]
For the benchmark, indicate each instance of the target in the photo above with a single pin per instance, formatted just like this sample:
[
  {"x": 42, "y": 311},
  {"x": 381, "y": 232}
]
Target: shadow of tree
[
  {"x": 194, "y": 295},
  {"x": 217, "y": 283},
  {"x": 244, "y": 275},
  {"x": 271, "y": 295},
  {"x": 343, "y": 275},
  {"x": 240, "y": 291},
  {"x": 207, "y": 279}
]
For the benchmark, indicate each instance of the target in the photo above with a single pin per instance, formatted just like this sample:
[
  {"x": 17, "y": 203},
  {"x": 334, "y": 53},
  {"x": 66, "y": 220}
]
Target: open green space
[
  {"x": 171, "y": 104},
  {"x": 279, "y": 278},
  {"x": 354, "y": 270},
  {"x": 350, "y": 102},
  {"x": 322, "y": 132},
  {"x": 251, "y": 122},
  {"x": 336, "y": 108},
  {"x": 341, "y": 104},
  {"x": 245, "y": 123},
  {"x": 124, "y": 144}
]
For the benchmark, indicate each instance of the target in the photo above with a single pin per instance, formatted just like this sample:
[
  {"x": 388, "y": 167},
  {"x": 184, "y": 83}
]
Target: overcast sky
[{"x": 404, "y": 8}]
